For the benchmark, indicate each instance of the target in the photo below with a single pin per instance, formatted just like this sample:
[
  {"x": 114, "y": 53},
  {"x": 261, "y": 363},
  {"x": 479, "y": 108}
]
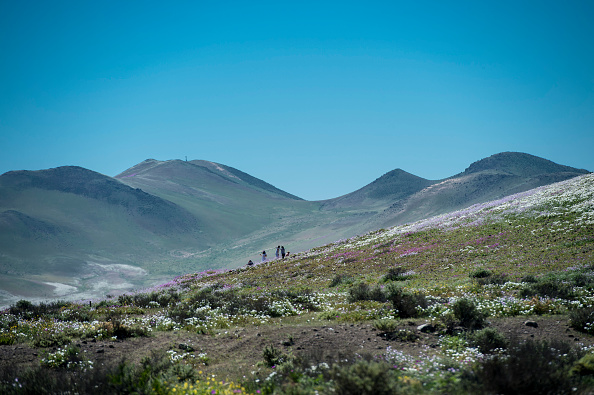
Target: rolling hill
[
  {"x": 491, "y": 178},
  {"x": 71, "y": 232},
  {"x": 85, "y": 231}
]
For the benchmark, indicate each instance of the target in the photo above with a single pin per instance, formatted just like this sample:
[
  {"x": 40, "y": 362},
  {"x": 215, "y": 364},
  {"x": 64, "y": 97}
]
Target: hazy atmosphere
[{"x": 316, "y": 98}]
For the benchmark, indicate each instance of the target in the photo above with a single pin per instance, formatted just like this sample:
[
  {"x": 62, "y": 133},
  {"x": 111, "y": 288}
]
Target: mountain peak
[
  {"x": 198, "y": 171},
  {"x": 520, "y": 164}
]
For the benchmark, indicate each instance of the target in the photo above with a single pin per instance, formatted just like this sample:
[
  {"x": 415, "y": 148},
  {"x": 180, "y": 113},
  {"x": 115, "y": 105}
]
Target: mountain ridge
[
  {"x": 520, "y": 164},
  {"x": 170, "y": 217}
]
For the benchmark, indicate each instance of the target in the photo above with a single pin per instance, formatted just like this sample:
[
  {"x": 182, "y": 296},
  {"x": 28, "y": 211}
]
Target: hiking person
[
  {"x": 277, "y": 251},
  {"x": 263, "y": 255},
  {"x": 283, "y": 251}
]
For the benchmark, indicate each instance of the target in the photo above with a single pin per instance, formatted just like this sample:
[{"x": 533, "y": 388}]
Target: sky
[{"x": 318, "y": 98}]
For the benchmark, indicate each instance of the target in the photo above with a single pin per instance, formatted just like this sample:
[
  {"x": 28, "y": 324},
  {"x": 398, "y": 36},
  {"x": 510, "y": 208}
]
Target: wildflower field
[{"x": 474, "y": 301}]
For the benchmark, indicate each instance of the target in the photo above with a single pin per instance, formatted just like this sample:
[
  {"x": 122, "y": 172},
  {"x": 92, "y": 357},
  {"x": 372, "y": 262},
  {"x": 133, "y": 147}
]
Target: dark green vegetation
[
  {"x": 498, "y": 298},
  {"x": 73, "y": 233}
]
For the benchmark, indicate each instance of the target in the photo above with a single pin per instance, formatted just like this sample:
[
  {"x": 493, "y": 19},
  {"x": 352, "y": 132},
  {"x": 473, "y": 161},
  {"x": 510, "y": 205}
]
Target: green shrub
[
  {"x": 340, "y": 279},
  {"x": 41, "y": 379},
  {"x": 467, "y": 314},
  {"x": 364, "y": 377},
  {"x": 481, "y": 273},
  {"x": 122, "y": 331},
  {"x": 529, "y": 279},
  {"x": 361, "y": 291},
  {"x": 7, "y": 339},
  {"x": 582, "y": 319},
  {"x": 51, "y": 339},
  {"x": 403, "y": 335},
  {"x": 548, "y": 287},
  {"x": 405, "y": 304},
  {"x": 530, "y": 367},
  {"x": 28, "y": 310},
  {"x": 582, "y": 279},
  {"x": 584, "y": 366},
  {"x": 273, "y": 356},
  {"x": 497, "y": 279},
  {"x": 488, "y": 340},
  {"x": 385, "y": 325},
  {"x": 146, "y": 378},
  {"x": 162, "y": 299},
  {"x": 78, "y": 313},
  {"x": 395, "y": 274}
]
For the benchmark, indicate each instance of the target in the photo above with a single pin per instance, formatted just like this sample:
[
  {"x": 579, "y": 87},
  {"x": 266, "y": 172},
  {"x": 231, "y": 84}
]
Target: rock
[
  {"x": 186, "y": 347},
  {"x": 532, "y": 324},
  {"x": 100, "y": 351},
  {"x": 426, "y": 328}
]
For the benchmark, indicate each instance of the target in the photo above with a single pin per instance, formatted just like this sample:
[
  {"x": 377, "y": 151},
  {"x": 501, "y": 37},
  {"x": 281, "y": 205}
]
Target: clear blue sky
[{"x": 317, "y": 98}]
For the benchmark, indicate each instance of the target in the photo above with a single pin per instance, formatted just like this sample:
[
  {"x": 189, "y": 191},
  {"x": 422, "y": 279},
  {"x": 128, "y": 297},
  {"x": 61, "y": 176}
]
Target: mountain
[
  {"x": 231, "y": 203},
  {"x": 393, "y": 186},
  {"x": 521, "y": 165},
  {"x": 491, "y": 178},
  {"x": 73, "y": 232},
  {"x": 154, "y": 214},
  {"x": 73, "y": 226},
  {"x": 243, "y": 214}
]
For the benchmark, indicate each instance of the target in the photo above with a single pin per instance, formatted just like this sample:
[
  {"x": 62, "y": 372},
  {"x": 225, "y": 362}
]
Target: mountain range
[{"x": 74, "y": 233}]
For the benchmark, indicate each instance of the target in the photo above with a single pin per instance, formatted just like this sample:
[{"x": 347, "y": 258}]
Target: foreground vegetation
[{"x": 526, "y": 255}]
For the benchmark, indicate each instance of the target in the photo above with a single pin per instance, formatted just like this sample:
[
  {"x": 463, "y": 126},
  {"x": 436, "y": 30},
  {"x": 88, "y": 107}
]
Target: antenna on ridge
[{"x": 186, "y": 158}]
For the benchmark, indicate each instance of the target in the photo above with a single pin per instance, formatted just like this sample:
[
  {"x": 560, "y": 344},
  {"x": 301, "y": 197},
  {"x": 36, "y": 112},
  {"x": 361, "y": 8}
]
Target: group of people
[
  {"x": 281, "y": 250},
  {"x": 280, "y": 253}
]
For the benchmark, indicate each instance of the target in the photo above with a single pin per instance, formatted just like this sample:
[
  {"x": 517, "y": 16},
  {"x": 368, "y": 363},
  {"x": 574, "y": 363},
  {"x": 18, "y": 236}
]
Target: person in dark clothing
[
  {"x": 283, "y": 251},
  {"x": 250, "y": 263}
]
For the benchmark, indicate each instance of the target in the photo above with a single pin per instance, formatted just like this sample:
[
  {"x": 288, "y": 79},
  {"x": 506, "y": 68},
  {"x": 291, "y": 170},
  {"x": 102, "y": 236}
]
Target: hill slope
[
  {"x": 393, "y": 186},
  {"x": 491, "y": 178},
  {"x": 65, "y": 224},
  {"x": 164, "y": 217}
]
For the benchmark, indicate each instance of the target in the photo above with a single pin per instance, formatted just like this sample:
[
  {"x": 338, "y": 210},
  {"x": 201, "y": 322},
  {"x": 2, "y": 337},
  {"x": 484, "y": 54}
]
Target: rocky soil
[{"x": 234, "y": 352}]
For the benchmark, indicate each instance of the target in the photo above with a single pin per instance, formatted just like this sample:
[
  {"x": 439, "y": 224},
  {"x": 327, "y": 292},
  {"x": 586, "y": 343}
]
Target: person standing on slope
[
  {"x": 283, "y": 251},
  {"x": 277, "y": 251},
  {"x": 263, "y": 255}
]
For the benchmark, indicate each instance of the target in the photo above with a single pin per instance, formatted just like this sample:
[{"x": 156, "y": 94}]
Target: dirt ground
[{"x": 236, "y": 352}]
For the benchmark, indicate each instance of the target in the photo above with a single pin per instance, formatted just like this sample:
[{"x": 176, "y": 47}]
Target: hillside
[
  {"x": 466, "y": 302},
  {"x": 69, "y": 228},
  {"x": 243, "y": 214},
  {"x": 393, "y": 186},
  {"x": 521, "y": 165},
  {"x": 491, "y": 178},
  {"x": 230, "y": 202},
  {"x": 73, "y": 233}
]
